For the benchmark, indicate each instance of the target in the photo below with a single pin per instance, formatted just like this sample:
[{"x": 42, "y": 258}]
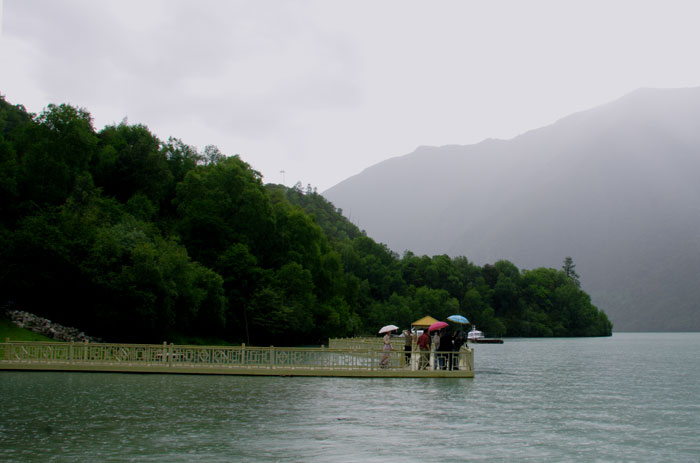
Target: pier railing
[
  {"x": 374, "y": 342},
  {"x": 158, "y": 356}
]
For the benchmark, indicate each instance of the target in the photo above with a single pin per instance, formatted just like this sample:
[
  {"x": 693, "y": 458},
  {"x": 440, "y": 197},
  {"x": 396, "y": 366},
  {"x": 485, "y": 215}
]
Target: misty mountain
[{"x": 614, "y": 187}]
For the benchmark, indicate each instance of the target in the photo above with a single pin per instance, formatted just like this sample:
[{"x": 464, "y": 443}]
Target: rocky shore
[{"x": 48, "y": 328}]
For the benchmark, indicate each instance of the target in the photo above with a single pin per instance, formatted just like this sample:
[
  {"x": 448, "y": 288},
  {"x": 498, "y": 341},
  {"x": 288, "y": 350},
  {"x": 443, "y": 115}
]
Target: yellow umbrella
[{"x": 424, "y": 322}]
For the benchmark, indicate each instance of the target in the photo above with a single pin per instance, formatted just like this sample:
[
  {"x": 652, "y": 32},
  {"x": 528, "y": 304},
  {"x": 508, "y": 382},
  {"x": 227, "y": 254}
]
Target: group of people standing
[{"x": 446, "y": 343}]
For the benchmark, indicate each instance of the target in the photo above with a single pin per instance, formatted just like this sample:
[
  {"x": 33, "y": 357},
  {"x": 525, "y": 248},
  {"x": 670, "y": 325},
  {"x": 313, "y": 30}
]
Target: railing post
[
  {"x": 85, "y": 350},
  {"x": 323, "y": 356},
  {"x": 243, "y": 362},
  {"x": 165, "y": 352},
  {"x": 272, "y": 357}
]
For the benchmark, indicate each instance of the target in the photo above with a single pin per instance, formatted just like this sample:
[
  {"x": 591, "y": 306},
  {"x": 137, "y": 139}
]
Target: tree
[
  {"x": 14, "y": 121},
  {"x": 130, "y": 161},
  {"x": 212, "y": 155},
  {"x": 569, "y": 269},
  {"x": 181, "y": 158},
  {"x": 9, "y": 170},
  {"x": 242, "y": 278},
  {"x": 53, "y": 151},
  {"x": 436, "y": 302},
  {"x": 145, "y": 286},
  {"x": 283, "y": 311},
  {"x": 221, "y": 204}
]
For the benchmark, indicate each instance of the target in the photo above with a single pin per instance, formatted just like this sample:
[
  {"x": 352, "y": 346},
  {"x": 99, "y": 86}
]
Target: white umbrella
[{"x": 387, "y": 328}]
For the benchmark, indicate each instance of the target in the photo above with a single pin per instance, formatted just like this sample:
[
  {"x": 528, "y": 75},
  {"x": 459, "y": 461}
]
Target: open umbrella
[
  {"x": 458, "y": 319},
  {"x": 437, "y": 326},
  {"x": 387, "y": 328},
  {"x": 423, "y": 322}
]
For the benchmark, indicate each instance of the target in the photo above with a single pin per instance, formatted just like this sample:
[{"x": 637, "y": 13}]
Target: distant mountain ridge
[{"x": 614, "y": 187}]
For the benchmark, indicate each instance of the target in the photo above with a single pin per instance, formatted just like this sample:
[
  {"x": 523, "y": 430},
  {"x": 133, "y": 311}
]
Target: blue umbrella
[{"x": 458, "y": 319}]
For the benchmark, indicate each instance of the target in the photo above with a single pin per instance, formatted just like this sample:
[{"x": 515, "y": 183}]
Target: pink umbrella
[{"x": 437, "y": 326}]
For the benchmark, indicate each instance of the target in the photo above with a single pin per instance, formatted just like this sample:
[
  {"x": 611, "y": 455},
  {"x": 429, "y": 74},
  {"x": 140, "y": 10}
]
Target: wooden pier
[{"x": 352, "y": 360}]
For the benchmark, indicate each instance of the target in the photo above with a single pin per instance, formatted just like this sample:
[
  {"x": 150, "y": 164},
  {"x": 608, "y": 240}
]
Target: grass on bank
[{"x": 15, "y": 333}]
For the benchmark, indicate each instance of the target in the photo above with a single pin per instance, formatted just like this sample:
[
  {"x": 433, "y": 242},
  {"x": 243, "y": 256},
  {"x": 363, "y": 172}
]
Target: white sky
[{"x": 323, "y": 89}]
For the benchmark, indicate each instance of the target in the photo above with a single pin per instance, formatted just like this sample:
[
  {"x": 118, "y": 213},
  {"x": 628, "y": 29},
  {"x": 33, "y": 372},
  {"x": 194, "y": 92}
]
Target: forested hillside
[{"x": 131, "y": 238}]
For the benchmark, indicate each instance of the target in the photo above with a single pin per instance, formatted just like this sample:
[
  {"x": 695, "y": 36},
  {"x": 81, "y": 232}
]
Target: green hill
[{"x": 135, "y": 239}]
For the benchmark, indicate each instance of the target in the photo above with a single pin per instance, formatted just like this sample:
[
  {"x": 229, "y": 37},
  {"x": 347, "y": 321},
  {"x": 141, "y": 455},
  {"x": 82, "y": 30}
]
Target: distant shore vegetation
[{"x": 136, "y": 239}]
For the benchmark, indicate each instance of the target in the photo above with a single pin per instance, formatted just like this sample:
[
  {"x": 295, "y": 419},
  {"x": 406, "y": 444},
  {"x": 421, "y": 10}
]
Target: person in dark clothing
[
  {"x": 445, "y": 350},
  {"x": 458, "y": 341},
  {"x": 408, "y": 346}
]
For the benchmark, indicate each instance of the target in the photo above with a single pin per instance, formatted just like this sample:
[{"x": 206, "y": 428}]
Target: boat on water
[{"x": 477, "y": 337}]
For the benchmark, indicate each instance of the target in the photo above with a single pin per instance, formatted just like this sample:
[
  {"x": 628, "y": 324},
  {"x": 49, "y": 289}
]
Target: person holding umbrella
[
  {"x": 435, "y": 328},
  {"x": 460, "y": 337},
  {"x": 387, "y": 350},
  {"x": 386, "y": 330}
]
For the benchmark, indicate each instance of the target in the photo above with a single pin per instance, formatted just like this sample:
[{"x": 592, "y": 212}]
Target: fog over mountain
[{"x": 614, "y": 187}]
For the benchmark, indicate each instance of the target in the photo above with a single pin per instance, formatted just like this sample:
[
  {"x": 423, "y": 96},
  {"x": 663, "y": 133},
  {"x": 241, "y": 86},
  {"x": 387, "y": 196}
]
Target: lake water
[{"x": 627, "y": 398}]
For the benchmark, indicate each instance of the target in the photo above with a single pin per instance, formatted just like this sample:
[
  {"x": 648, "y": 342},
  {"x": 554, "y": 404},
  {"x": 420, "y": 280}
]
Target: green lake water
[{"x": 627, "y": 398}]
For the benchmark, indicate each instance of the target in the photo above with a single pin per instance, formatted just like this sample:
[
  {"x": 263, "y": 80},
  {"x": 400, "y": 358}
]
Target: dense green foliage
[{"x": 134, "y": 239}]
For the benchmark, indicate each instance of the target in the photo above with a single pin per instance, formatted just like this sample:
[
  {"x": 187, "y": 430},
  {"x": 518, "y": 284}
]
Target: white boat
[
  {"x": 474, "y": 334},
  {"x": 478, "y": 337}
]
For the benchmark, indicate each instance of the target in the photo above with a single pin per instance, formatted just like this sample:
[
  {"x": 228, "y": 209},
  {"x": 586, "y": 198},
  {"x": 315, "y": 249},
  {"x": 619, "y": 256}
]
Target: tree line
[{"x": 136, "y": 239}]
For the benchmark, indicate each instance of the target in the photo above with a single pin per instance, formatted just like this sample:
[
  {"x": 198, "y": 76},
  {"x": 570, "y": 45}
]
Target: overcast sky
[{"x": 323, "y": 89}]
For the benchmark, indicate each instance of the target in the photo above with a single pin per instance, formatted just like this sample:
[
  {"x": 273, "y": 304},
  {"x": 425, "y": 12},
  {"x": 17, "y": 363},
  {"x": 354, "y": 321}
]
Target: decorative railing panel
[
  {"x": 376, "y": 342},
  {"x": 236, "y": 357}
]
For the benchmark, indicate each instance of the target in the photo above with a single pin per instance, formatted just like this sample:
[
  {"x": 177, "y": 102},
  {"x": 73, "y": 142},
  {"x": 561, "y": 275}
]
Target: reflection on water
[{"x": 633, "y": 397}]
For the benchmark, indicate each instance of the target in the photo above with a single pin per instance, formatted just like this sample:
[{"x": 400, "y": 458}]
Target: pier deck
[{"x": 230, "y": 360}]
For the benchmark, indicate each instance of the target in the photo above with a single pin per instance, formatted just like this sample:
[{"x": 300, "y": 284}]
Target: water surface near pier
[{"x": 631, "y": 397}]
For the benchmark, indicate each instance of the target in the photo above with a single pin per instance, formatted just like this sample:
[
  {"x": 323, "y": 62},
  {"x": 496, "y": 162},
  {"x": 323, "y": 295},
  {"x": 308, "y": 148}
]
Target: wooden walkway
[{"x": 230, "y": 360}]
